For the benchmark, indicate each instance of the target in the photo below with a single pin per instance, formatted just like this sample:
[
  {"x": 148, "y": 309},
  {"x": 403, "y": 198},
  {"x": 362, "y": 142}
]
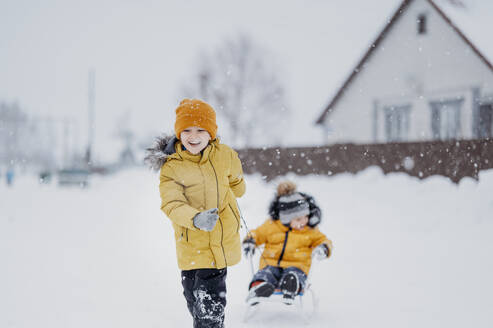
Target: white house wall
[{"x": 415, "y": 69}]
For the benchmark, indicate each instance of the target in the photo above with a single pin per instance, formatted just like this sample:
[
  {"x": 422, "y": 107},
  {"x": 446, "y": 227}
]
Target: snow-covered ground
[{"x": 408, "y": 253}]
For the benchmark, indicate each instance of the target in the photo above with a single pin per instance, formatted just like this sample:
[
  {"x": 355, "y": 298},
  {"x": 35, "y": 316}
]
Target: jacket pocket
[
  {"x": 182, "y": 235},
  {"x": 236, "y": 217}
]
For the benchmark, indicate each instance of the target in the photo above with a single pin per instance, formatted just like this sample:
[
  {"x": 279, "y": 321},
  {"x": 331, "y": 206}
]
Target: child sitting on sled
[{"x": 291, "y": 239}]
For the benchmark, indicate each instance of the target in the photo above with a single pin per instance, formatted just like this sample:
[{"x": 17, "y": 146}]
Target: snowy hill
[{"x": 408, "y": 253}]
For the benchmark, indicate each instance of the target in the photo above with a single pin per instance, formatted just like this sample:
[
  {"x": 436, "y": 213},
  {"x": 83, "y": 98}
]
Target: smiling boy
[{"x": 200, "y": 179}]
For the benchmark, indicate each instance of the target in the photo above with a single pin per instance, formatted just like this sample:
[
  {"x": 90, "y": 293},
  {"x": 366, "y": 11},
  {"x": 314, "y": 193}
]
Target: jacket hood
[{"x": 163, "y": 147}]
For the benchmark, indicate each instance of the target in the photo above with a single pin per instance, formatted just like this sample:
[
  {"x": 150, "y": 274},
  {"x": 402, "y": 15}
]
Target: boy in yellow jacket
[
  {"x": 200, "y": 179},
  {"x": 290, "y": 237}
]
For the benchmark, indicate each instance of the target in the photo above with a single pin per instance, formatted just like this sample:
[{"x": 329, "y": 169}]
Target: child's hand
[
  {"x": 249, "y": 246},
  {"x": 321, "y": 252},
  {"x": 206, "y": 220}
]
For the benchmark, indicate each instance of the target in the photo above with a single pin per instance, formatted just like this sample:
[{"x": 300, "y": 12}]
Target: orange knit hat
[{"x": 195, "y": 112}]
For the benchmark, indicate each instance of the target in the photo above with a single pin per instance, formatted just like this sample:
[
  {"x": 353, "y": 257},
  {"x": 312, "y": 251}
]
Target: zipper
[
  {"x": 284, "y": 246},
  {"x": 203, "y": 182},
  {"x": 220, "y": 221},
  {"x": 217, "y": 184},
  {"x": 237, "y": 220}
]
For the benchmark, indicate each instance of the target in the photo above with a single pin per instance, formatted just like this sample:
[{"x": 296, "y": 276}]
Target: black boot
[
  {"x": 289, "y": 286},
  {"x": 263, "y": 289}
]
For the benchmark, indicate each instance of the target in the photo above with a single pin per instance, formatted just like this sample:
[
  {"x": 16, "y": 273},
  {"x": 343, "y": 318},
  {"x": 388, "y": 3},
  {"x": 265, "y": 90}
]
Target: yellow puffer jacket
[
  {"x": 190, "y": 184},
  {"x": 285, "y": 247}
]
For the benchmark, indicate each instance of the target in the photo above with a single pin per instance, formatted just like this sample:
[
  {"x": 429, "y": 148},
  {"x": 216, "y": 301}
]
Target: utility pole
[{"x": 90, "y": 107}]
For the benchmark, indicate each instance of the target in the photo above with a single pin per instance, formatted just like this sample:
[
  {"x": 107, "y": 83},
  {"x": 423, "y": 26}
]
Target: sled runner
[{"x": 305, "y": 301}]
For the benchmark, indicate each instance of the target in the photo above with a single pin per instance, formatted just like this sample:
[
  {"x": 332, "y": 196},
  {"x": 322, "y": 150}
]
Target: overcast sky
[{"x": 143, "y": 50}]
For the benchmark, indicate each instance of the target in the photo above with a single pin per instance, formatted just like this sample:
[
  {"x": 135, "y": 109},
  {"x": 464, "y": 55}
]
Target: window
[
  {"x": 445, "y": 119},
  {"x": 421, "y": 24},
  {"x": 397, "y": 122},
  {"x": 485, "y": 121}
]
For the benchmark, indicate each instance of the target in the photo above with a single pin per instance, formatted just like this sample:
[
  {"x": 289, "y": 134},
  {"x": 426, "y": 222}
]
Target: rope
[{"x": 249, "y": 233}]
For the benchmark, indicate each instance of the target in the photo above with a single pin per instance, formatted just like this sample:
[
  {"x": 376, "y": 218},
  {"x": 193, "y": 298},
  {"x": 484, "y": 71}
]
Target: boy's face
[
  {"x": 195, "y": 139},
  {"x": 299, "y": 223}
]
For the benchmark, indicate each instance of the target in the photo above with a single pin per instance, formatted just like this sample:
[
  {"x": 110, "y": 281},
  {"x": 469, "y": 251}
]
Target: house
[{"x": 422, "y": 79}]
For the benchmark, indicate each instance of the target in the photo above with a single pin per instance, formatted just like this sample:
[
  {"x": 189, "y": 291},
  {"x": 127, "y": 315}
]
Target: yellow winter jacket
[
  {"x": 190, "y": 184},
  {"x": 285, "y": 247}
]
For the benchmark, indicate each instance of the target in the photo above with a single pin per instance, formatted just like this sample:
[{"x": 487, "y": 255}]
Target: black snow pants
[{"x": 205, "y": 292}]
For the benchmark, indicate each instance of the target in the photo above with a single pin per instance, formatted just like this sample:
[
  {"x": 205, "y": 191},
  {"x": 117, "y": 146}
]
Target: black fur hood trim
[{"x": 163, "y": 147}]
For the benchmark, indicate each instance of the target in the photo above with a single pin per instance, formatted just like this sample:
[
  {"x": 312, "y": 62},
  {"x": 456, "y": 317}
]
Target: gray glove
[
  {"x": 249, "y": 246},
  {"x": 321, "y": 252},
  {"x": 206, "y": 220}
]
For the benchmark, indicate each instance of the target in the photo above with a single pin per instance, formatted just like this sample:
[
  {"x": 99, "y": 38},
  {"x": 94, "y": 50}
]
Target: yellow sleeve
[
  {"x": 260, "y": 234},
  {"x": 236, "y": 181},
  {"x": 173, "y": 201}
]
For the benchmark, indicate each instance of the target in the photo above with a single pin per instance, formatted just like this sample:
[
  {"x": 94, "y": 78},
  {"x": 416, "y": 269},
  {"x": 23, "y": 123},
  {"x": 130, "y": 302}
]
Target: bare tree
[
  {"x": 125, "y": 133},
  {"x": 13, "y": 126},
  {"x": 240, "y": 82},
  {"x": 25, "y": 141}
]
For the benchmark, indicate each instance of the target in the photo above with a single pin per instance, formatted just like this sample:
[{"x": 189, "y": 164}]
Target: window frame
[
  {"x": 485, "y": 131},
  {"x": 422, "y": 24},
  {"x": 396, "y": 120},
  {"x": 446, "y": 118}
]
